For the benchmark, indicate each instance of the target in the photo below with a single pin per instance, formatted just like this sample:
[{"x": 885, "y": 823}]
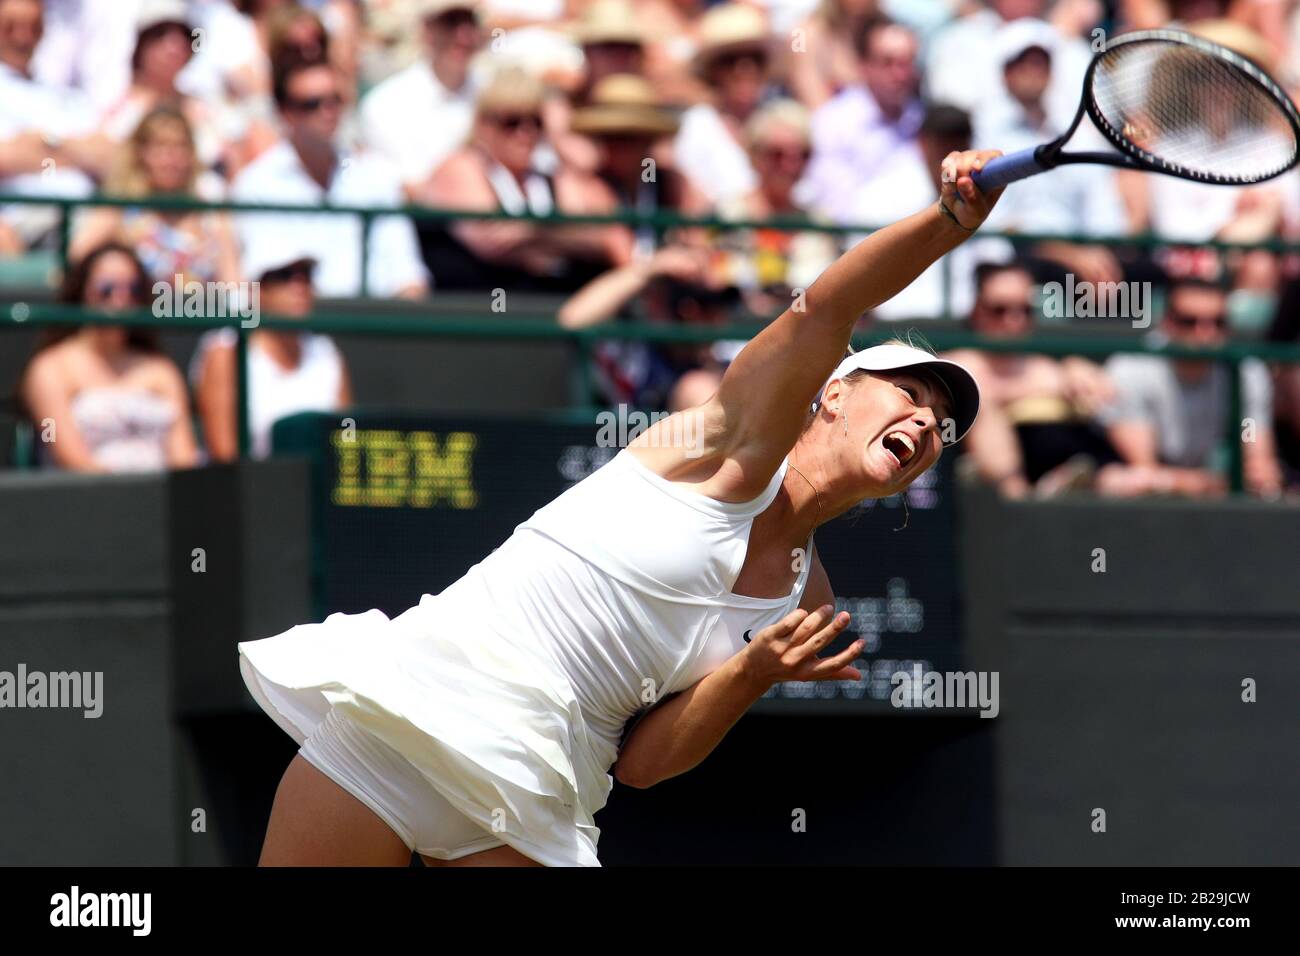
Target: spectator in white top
[
  {"x": 908, "y": 184},
  {"x": 288, "y": 372},
  {"x": 869, "y": 128},
  {"x": 163, "y": 48},
  {"x": 962, "y": 65},
  {"x": 416, "y": 118},
  {"x": 1080, "y": 199},
  {"x": 1192, "y": 213},
  {"x": 48, "y": 143},
  {"x": 733, "y": 59},
  {"x": 87, "y": 47},
  {"x": 307, "y": 167}
]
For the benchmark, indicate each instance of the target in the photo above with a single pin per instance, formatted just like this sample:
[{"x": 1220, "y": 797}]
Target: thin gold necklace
[{"x": 813, "y": 487}]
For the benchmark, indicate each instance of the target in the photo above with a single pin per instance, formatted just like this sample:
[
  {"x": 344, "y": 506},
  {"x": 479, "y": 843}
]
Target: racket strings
[{"x": 1187, "y": 108}]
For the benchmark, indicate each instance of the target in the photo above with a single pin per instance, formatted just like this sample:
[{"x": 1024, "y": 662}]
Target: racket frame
[{"x": 1130, "y": 156}]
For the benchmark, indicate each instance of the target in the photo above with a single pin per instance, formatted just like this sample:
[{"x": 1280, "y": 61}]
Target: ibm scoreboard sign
[{"x": 404, "y": 506}]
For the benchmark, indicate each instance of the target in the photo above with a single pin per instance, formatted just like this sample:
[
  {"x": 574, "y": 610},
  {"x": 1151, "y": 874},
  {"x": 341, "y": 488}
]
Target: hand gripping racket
[{"x": 1173, "y": 103}]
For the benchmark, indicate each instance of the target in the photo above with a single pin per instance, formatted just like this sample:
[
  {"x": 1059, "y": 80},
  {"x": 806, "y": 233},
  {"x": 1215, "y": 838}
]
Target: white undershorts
[{"x": 394, "y": 789}]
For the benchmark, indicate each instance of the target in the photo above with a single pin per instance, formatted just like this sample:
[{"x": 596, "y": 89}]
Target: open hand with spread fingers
[{"x": 788, "y": 649}]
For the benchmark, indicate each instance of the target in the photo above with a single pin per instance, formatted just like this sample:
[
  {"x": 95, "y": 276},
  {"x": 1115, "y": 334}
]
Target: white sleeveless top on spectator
[
  {"x": 513, "y": 686},
  {"x": 275, "y": 392},
  {"x": 536, "y": 196}
]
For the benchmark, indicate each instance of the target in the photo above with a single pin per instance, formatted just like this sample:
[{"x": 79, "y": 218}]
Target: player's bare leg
[
  {"x": 315, "y": 822},
  {"x": 497, "y": 856}
]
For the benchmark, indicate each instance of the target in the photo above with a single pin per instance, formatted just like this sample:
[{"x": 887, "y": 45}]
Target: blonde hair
[
  {"x": 912, "y": 339},
  {"x": 127, "y": 177},
  {"x": 510, "y": 89},
  {"x": 781, "y": 112}
]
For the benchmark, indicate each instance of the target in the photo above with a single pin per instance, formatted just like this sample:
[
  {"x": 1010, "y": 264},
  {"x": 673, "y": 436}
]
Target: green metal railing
[
  {"x": 660, "y": 221},
  {"x": 496, "y": 326}
]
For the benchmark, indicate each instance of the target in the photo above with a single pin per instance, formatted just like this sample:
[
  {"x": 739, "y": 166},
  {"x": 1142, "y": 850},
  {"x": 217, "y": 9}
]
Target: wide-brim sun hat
[
  {"x": 896, "y": 357},
  {"x": 624, "y": 104},
  {"x": 730, "y": 28},
  {"x": 609, "y": 21}
]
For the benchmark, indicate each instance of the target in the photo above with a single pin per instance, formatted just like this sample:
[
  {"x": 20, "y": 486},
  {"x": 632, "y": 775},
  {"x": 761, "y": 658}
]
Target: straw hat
[
  {"x": 730, "y": 28},
  {"x": 624, "y": 104},
  {"x": 609, "y": 21},
  {"x": 1236, "y": 37}
]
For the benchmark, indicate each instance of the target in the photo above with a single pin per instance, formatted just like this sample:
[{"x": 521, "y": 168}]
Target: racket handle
[{"x": 1007, "y": 169}]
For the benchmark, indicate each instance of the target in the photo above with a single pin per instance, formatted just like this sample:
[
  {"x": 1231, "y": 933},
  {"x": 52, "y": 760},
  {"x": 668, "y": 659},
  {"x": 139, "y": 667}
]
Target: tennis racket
[{"x": 1173, "y": 103}]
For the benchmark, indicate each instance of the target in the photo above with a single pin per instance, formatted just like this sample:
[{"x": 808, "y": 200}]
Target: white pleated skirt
[{"x": 492, "y": 725}]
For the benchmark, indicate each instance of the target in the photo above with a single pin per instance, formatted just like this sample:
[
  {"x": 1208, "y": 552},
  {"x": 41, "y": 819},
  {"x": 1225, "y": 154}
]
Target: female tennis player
[{"x": 678, "y": 582}]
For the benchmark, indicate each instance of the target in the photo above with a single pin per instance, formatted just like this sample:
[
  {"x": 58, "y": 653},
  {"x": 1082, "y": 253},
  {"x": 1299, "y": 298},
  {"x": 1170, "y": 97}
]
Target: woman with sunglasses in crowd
[
  {"x": 498, "y": 171},
  {"x": 103, "y": 398}
]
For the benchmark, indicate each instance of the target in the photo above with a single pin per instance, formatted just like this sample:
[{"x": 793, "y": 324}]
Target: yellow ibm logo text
[{"x": 380, "y": 468}]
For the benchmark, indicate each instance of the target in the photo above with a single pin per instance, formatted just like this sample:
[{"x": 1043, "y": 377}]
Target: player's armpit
[{"x": 818, "y": 592}]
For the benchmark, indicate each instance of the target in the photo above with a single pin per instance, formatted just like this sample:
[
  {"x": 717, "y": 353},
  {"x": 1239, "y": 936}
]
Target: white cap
[
  {"x": 157, "y": 12},
  {"x": 1014, "y": 38},
  {"x": 268, "y": 248},
  {"x": 892, "y": 357}
]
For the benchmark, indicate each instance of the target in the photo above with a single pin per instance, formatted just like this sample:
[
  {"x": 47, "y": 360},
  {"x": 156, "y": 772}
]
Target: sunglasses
[
  {"x": 785, "y": 153},
  {"x": 1183, "y": 321},
  {"x": 108, "y": 289},
  {"x": 299, "y": 271},
  {"x": 1003, "y": 309},
  {"x": 728, "y": 61},
  {"x": 313, "y": 103},
  {"x": 513, "y": 122}
]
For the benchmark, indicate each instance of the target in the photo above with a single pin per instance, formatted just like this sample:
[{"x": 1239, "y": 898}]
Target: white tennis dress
[{"x": 508, "y": 692}]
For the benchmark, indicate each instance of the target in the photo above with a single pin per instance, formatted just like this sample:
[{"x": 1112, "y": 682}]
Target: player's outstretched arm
[
  {"x": 765, "y": 394},
  {"x": 679, "y": 733}
]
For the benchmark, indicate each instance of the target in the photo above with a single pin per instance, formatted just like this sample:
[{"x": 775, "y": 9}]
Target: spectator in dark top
[
  {"x": 1036, "y": 430},
  {"x": 1171, "y": 415},
  {"x": 613, "y": 44},
  {"x": 1286, "y": 385},
  {"x": 673, "y": 285},
  {"x": 497, "y": 171},
  {"x": 632, "y": 134}
]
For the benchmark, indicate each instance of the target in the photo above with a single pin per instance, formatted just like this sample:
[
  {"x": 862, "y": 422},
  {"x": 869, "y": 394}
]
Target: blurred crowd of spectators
[{"x": 818, "y": 111}]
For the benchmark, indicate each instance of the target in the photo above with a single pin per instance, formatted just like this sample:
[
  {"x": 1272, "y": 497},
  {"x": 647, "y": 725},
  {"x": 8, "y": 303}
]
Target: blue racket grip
[{"x": 1007, "y": 169}]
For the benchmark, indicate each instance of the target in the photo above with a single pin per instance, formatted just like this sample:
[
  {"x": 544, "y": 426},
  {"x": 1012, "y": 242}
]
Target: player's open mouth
[{"x": 900, "y": 447}]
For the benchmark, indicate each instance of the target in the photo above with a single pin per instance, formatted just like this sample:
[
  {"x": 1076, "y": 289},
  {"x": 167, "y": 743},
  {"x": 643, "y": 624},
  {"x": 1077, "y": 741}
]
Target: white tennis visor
[{"x": 961, "y": 384}]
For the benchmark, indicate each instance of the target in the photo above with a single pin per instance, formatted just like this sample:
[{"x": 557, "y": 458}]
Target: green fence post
[
  {"x": 241, "y": 391},
  {"x": 365, "y": 254},
  {"x": 65, "y": 235},
  {"x": 1236, "y": 465},
  {"x": 580, "y": 384}
]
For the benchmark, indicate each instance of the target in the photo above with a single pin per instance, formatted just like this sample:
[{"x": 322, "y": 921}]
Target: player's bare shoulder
[{"x": 687, "y": 445}]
